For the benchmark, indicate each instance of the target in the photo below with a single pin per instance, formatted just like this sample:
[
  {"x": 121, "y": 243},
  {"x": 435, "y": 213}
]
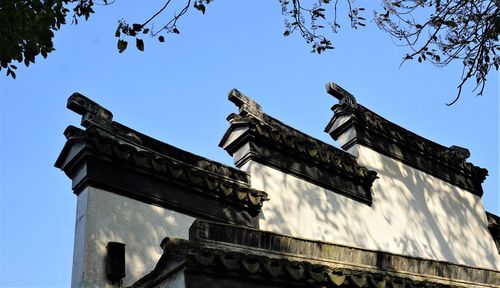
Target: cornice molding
[
  {"x": 389, "y": 139},
  {"x": 291, "y": 151},
  {"x": 219, "y": 250},
  {"x": 150, "y": 165}
]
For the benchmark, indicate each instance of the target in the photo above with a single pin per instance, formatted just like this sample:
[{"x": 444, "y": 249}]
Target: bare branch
[{"x": 463, "y": 30}]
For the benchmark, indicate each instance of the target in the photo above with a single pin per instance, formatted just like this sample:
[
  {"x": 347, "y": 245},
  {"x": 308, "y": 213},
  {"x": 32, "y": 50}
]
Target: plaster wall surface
[
  {"x": 413, "y": 213},
  {"x": 102, "y": 217}
]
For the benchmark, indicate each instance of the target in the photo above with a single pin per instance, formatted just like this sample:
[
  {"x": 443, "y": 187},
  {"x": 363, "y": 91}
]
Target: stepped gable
[
  {"x": 112, "y": 156},
  {"x": 373, "y": 131},
  {"x": 274, "y": 143},
  {"x": 231, "y": 256}
]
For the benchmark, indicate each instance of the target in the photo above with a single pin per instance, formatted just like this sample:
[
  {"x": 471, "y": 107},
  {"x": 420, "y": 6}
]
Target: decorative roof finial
[
  {"x": 246, "y": 105},
  {"x": 341, "y": 94},
  {"x": 92, "y": 113},
  {"x": 459, "y": 152}
]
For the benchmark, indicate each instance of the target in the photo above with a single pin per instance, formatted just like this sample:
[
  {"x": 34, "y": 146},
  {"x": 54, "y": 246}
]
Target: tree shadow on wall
[{"x": 413, "y": 213}]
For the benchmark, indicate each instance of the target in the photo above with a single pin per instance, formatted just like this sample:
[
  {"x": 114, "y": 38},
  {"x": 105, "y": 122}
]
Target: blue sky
[{"x": 177, "y": 92}]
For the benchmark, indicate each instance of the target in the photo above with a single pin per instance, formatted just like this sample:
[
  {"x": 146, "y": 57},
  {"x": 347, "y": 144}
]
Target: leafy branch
[
  {"x": 27, "y": 28},
  {"x": 126, "y": 30},
  {"x": 309, "y": 22},
  {"x": 436, "y": 31}
]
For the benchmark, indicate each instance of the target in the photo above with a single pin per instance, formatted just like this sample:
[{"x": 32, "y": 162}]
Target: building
[{"x": 389, "y": 209}]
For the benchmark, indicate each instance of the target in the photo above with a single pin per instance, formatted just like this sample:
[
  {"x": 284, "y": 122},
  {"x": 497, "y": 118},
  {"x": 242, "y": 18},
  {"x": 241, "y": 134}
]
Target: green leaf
[
  {"x": 11, "y": 73},
  {"x": 137, "y": 27},
  {"x": 122, "y": 45},
  {"x": 139, "y": 44},
  {"x": 202, "y": 8}
]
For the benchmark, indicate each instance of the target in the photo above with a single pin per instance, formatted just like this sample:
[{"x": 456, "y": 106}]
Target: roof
[
  {"x": 392, "y": 140},
  {"x": 276, "y": 144},
  {"x": 232, "y": 255},
  {"x": 109, "y": 151}
]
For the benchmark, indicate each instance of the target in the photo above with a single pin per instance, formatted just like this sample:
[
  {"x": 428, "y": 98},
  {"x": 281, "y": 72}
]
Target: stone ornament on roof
[
  {"x": 92, "y": 113},
  {"x": 344, "y": 97},
  {"x": 246, "y": 105},
  {"x": 459, "y": 152}
]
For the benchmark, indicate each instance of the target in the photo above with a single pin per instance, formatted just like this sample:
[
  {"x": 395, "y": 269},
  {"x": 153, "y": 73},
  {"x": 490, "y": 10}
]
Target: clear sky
[{"x": 177, "y": 92}]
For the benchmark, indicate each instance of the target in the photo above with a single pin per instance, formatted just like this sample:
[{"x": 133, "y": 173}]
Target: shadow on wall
[
  {"x": 440, "y": 220},
  {"x": 112, "y": 218},
  {"x": 412, "y": 213}
]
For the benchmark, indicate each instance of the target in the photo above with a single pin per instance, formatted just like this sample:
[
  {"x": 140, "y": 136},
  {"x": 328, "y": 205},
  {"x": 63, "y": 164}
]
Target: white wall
[
  {"x": 412, "y": 213},
  {"x": 103, "y": 217}
]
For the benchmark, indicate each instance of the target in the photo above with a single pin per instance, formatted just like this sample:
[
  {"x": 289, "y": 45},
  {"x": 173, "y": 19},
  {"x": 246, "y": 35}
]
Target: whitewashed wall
[
  {"x": 103, "y": 217},
  {"x": 413, "y": 213}
]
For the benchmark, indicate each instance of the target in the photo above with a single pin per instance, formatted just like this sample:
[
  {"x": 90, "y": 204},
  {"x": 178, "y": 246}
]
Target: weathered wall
[
  {"x": 413, "y": 213},
  {"x": 102, "y": 217}
]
